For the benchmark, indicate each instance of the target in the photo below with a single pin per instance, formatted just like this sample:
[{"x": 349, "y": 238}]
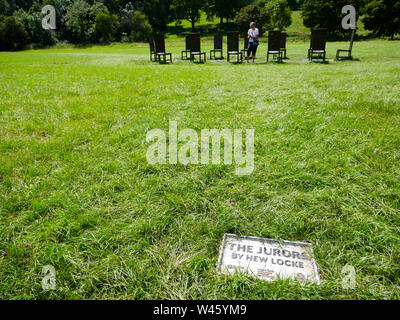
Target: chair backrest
[
  {"x": 233, "y": 41},
  {"x": 151, "y": 43},
  {"x": 283, "y": 40},
  {"x": 246, "y": 42},
  {"x": 318, "y": 39},
  {"x": 353, "y": 33},
  {"x": 187, "y": 45},
  {"x": 160, "y": 43},
  {"x": 274, "y": 40},
  {"x": 194, "y": 42},
  {"x": 218, "y": 41}
]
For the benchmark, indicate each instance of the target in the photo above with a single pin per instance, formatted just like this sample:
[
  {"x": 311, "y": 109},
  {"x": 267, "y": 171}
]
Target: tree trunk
[
  {"x": 222, "y": 21},
  {"x": 193, "y": 24}
]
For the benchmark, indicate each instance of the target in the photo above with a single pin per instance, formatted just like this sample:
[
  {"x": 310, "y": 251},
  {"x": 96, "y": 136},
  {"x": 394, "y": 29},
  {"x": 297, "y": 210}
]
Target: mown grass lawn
[{"x": 75, "y": 183}]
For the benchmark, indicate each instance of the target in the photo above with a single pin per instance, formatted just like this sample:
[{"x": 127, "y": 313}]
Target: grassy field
[{"x": 76, "y": 186}]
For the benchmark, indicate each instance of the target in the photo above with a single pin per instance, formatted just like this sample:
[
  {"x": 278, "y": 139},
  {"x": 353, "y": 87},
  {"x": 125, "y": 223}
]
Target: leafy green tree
[
  {"x": 327, "y": 14},
  {"x": 281, "y": 16},
  {"x": 225, "y": 8},
  {"x": 33, "y": 25},
  {"x": 160, "y": 13},
  {"x": 188, "y": 10},
  {"x": 80, "y": 20},
  {"x": 382, "y": 17},
  {"x": 134, "y": 24},
  {"x": 12, "y": 34},
  {"x": 61, "y": 7},
  {"x": 106, "y": 26},
  {"x": 141, "y": 28},
  {"x": 252, "y": 13}
]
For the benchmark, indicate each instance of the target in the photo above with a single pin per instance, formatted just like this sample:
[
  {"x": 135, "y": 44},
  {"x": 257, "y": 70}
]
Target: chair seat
[
  {"x": 163, "y": 53},
  {"x": 274, "y": 52},
  {"x": 234, "y": 52},
  {"x": 197, "y": 53},
  {"x": 317, "y": 51}
]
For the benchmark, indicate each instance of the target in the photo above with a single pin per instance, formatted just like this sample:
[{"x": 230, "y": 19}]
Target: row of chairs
[{"x": 276, "y": 47}]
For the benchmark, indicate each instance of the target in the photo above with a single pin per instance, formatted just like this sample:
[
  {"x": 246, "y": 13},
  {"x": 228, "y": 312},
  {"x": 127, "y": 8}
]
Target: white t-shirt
[{"x": 252, "y": 33}]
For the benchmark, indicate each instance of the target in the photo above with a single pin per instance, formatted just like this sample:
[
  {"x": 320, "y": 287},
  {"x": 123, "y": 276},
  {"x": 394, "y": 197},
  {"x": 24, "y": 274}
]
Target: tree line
[{"x": 102, "y": 21}]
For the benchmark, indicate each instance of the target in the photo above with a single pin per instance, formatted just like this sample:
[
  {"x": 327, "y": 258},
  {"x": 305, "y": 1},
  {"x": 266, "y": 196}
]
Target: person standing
[{"x": 252, "y": 34}]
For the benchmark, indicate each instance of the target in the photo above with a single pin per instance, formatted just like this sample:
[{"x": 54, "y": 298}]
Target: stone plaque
[{"x": 268, "y": 259}]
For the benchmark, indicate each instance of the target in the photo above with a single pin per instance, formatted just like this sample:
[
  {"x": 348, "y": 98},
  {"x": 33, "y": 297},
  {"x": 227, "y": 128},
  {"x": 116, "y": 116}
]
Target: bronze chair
[
  {"x": 283, "y": 44},
  {"x": 245, "y": 45},
  {"x": 161, "y": 55},
  {"x": 274, "y": 45},
  {"x": 184, "y": 53},
  {"x": 348, "y": 51},
  {"x": 218, "y": 44},
  {"x": 195, "y": 48},
  {"x": 318, "y": 44},
  {"x": 153, "y": 56},
  {"x": 233, "y": 46}
]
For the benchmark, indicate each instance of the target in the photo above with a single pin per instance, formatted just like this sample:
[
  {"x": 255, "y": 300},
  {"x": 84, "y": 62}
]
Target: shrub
[
  {"x": 12, "y": 34},
  {"x": 106, "y": 27},
  {"x": 141, "y": 28}
]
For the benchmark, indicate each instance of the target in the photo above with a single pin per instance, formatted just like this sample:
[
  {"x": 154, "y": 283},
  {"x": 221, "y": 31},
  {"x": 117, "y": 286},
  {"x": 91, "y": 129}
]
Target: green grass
[{"x": 75, "y": 183}]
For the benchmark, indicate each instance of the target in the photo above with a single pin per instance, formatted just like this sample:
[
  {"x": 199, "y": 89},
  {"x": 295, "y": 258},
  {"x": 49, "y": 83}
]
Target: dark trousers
[{"x": 252, "y": 49}]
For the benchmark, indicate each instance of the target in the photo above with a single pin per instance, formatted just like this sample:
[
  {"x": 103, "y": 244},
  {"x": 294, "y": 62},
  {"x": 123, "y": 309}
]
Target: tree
[
  {"x": 382, "y": 17},
  {"x": 225, "y": 8},
  {"x": 252, "y": 13},
  {"x": 81, "y": 20},
  {"x": 141, "y": 28},
  {"x": 295, "y": 4},
  {"x": 281, "y": 16},
  {"x": 33, "y": 25},
  {"x": 188, "y": 10},
  {"x": 159, "y": 12},
  {"x": 12, "y": 34},
  {"x": 135, "y": 24},
  {"x": 61, "y": 7},
  {"x": 106, "y": 26},
  {"x": 327, "y": 14}
]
